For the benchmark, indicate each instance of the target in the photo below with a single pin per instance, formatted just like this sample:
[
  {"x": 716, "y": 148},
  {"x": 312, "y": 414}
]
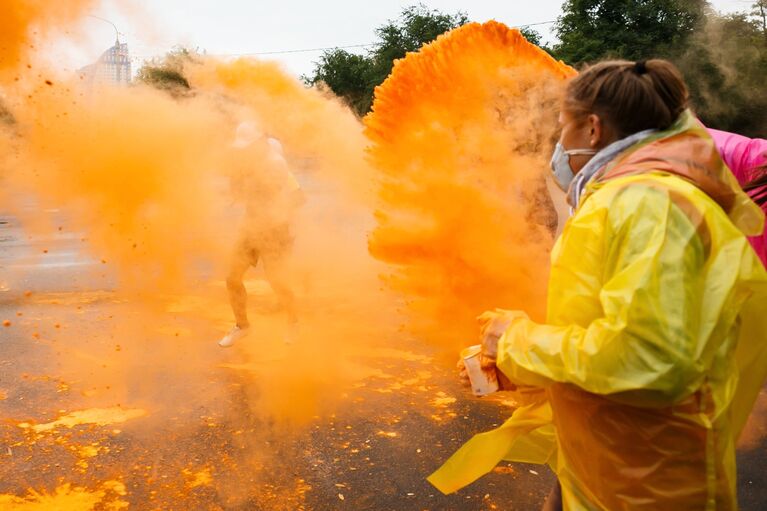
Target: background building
[{"x": 113, "y": 67}]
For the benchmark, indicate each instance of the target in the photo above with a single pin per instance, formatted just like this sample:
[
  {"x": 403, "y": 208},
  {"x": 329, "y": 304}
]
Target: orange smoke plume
[
  {"x": 461, "y": 133},
  {"x": 143, "y": 189},
  {"x": 23, "y": 21},
  {"x": 315, "y": 126},
  {"x": 144, "y": 178}
]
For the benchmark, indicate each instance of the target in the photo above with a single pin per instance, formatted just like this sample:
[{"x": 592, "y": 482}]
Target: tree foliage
[
  {"x": 759, "y": 14},
  {"x": 355, "y": 77},
  {"x": 723, "y": 57},
  {"x": 167, "y": 73},
  {"x": 725, "y": 66},
  {"x": 531, "y": 35},
  {"x": 347, "y": 75},
  {"x": 589, "y": 30}
]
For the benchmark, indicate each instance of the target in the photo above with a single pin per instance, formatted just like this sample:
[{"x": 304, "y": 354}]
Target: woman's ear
[{"x": 596, "y": 130}]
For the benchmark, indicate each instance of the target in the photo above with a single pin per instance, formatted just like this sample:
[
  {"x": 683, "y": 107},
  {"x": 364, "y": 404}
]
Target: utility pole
[{"x": 117, "y": 32}]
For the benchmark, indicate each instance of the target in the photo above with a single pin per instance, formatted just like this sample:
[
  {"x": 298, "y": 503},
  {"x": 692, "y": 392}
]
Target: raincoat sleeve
[
  {"x": 645, "y": 343},
  {"x": 741, "y": 154}
]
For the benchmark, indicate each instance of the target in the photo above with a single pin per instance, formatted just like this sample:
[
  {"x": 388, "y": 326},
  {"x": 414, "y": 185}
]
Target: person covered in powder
[
  {"x": 747, "y": 158},
  {"x": 271, "y": 195},
  {"x": 636, "y": 387}
]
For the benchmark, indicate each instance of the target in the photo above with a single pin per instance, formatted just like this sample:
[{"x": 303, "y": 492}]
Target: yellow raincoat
[{"x": 655, "y": 346}]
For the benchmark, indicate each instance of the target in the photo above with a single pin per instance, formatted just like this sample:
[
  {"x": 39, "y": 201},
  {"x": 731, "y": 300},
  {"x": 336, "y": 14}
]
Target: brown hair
[{"x": 629, "y": 96}]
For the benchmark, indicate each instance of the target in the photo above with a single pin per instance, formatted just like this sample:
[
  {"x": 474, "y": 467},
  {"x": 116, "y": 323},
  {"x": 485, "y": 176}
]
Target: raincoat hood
[{"x": 688, "y": 151}]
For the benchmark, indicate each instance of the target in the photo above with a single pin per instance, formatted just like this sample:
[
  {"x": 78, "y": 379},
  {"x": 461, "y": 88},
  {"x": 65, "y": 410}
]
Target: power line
[
  {"x": 327, "y": 48},
  {"x": 279, "y": 52},
  {"x": 306, "y": 50},
  {"x": 535, "y": 24},
  {"x": 343, "y": 47}
]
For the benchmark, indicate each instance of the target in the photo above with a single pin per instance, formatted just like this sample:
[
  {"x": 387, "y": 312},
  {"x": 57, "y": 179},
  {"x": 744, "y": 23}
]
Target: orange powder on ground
[
  {"x": 69, "y": 498},
  {"x": 461, "y": 134},
  {"x": 99, "y": 416}
]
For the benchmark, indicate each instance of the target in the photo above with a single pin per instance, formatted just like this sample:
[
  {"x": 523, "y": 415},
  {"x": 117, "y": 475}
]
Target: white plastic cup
[{"x": 482, "y": 382}]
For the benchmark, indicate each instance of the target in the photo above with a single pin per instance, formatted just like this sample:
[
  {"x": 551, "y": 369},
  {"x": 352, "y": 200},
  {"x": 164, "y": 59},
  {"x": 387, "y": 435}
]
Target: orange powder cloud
[
  {"x": 136, "y": 168},
  {"x": 23, "y": 22},
  {"x": 313, "y": 125},
  {"x": 461, "y": 134},
  {"x": 145, "y": 177}
]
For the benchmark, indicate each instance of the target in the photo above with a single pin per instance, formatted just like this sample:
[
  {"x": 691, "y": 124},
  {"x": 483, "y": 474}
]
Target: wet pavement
[{"x": 104, "y": 408}]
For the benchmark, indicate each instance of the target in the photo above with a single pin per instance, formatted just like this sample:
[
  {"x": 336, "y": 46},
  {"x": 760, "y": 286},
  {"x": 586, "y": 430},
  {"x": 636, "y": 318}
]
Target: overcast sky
[{"x": 151, "y": 27}]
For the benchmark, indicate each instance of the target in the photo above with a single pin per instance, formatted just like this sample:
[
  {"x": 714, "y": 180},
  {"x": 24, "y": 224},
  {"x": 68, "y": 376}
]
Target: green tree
[
  {"x": 535, "y": 37},
  {"x": 415, "y": 27},
  {"x": 355, "y": 77},
  {"x": 759, "y": 13},
  {"x": 347, "y": 75},
  {"x": 590, "y": 30},
  {"x": 531, "y": 35},
  {"x": 725, "y": 66},
  {"x": 167, "y": 73},
  {"x": 723, "y": 58}
]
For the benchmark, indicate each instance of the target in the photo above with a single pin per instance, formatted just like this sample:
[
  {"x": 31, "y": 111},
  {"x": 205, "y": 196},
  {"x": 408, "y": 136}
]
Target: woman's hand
[
  {"x": 487, "y": 365},
  {"x": 493, "y": 324}
]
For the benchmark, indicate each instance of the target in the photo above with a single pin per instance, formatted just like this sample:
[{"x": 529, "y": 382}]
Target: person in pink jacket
[{"x": 747, "y": 158}]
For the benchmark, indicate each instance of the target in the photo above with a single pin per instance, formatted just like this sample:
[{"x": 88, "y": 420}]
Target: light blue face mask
[{"x": 560, "y": 165}]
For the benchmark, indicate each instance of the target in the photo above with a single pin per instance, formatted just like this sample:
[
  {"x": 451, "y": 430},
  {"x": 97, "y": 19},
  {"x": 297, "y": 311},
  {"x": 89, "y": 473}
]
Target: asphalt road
[{"x": 105, "y": 408}]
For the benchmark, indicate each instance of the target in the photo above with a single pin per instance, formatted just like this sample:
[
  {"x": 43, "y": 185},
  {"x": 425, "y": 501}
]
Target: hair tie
[{"x": 640, "y": 67}]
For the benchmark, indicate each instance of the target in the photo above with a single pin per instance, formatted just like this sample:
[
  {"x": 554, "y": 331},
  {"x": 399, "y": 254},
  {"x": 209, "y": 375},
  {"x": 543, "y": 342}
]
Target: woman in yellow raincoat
[{"x": 655, "y": 346}]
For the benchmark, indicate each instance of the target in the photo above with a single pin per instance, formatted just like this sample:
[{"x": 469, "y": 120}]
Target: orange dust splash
[
  {"x": 97, "y": 416},
  {"x": 199, "y": 478},
  {"x": 461, "y": 133},
  {"x": 69, "y": 498}
]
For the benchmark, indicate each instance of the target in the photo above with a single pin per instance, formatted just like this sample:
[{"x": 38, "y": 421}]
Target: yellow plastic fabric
[{"x": 654, "y": 351}]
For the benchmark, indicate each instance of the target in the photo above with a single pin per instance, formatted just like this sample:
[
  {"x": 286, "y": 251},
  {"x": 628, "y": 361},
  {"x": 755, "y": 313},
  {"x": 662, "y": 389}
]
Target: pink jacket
[{"x": 744, "y": 155}]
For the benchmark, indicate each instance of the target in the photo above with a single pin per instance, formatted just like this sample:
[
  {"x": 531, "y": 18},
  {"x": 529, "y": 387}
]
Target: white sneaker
[{"x": 235, "y": 334}]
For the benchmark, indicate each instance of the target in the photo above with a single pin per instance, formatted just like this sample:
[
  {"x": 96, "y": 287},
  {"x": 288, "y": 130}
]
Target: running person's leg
[
  {"x": 244, "y": 257},
  {"x": 238, "y": 295},
  {"x": 275, "y": 254},
  {"x": 275, "y": 268}
]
